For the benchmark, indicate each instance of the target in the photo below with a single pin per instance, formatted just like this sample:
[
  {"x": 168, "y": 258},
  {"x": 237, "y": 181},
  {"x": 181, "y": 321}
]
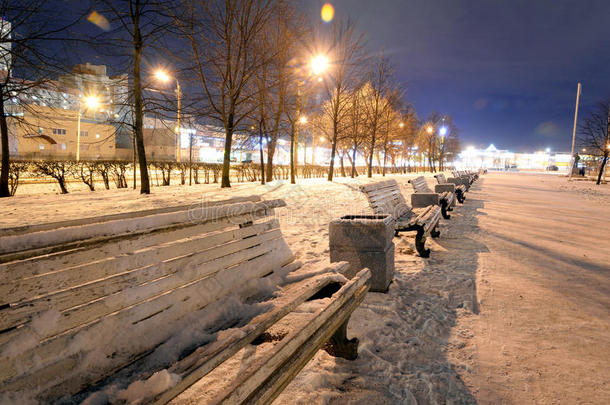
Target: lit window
[
  {"x": 41, "y": 146},
  {"x": 63, "y": 146}
]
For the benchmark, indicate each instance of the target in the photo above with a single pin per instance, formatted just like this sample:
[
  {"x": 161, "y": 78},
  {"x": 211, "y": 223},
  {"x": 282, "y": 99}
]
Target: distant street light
[
  {"x": 443, "y": 131},
  {"x": 430, "y": 129},
  {"x": 303, "y": 119},
  {"x": 90, "y": 103},
  {"x": 401, "y": 125}
]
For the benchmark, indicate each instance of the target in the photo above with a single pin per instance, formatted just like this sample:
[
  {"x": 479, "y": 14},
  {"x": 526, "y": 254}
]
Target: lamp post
[
  {"x": 90, "y": 102},
  {"x": 162, "y": 76}
]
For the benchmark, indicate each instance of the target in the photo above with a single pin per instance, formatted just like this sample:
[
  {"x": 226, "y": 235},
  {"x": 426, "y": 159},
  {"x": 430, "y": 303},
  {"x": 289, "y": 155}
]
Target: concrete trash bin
[{"x": 365, "y": 241}]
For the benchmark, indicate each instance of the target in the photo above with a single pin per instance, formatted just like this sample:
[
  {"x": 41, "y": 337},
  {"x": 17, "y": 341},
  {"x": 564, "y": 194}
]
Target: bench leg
[
  {"x": 435, "y": 233},
  {"x": 460, "y": 196},
  {"x": 444, "y": 208},
  {"x": 340, "y": 346},
  {"x": 420, "y": 243}
]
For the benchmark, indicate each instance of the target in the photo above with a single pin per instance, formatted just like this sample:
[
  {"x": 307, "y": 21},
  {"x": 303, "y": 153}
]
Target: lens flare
[{"x": 328, "y": 12}]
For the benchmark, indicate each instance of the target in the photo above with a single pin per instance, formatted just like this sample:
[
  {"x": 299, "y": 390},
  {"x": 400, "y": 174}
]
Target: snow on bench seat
[{"x": 180, "y": 289}]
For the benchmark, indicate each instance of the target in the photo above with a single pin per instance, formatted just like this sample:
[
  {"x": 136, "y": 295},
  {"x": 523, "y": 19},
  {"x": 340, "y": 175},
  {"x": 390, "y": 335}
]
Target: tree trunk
[
  {"x": 226, "y": 163},
  {"x": 370, "y": 169},
  {"x": 342, "y": 165},
  {"x": 385, "y": 157},
  {"x": 270, "y": 152},
  {"x": 354, "y": 164},
  {"x": 260, "y": 148},
  {"x": 137, "y": 88},
  {"x": 601, "y": 169},
  {"x": 4, "y": 191},
  {"x": 292, "y": 152}
]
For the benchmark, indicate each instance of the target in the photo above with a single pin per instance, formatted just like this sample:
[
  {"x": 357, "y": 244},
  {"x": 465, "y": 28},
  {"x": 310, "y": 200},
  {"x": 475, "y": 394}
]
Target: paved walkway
[{"x": 542, "y": 335}]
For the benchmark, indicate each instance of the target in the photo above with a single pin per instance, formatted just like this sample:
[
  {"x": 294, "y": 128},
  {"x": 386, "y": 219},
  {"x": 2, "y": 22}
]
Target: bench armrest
[
  {"x": 419, "y": 200},
  {"x": 441, "y": 188}
]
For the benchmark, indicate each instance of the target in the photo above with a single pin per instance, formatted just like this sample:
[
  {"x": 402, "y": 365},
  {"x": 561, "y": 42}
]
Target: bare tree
[
  {"x": 347, "y": 58},
  {"x": 356, "y": 132},
  {"x": 136, "y": 25},
  {"x": 28, "y": 58},
  {"x": 594, "y": 134},
  {"x": 221, "y": 36},
  {"x": 377, "y": 90}
]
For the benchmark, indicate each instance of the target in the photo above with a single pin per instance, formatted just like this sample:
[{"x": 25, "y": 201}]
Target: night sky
[{"x": 506, "y": 70}]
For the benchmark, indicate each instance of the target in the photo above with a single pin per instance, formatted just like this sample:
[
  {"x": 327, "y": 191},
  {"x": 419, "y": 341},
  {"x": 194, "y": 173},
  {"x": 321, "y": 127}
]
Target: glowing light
[
  {"x": 327, "y": 13},
  {"x": 319, "y": 64},
  {"x": 320, "y": 79},
  {"x": 584, "y": 149},
  {"x": 162, "y": 76},
  {"x": 443, "y": 131},
  {"x": 401, "y": 125},
  {"x": 322, "y": 139},
  {"x": 429, "y": 129},
  {"x": 91, "y": 102},
  {"x": 470, "y": 148},
  {"x": 99, "y": 20},
  {"x": 303, "y": 119},
  {"x": 547, "y": 150}
]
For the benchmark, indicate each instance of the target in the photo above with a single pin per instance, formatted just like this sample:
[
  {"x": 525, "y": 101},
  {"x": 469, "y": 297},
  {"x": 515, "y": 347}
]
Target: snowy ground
[{"x": 512, "y": 307}]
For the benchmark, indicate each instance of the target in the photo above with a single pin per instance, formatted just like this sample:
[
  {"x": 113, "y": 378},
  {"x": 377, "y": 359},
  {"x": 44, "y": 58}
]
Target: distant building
[
  {"x": 5, "y": 45},
  {"x": 493, "y": 158},
  {"x": 51, "y": 133},
  {"x": 44, "y": 119}
]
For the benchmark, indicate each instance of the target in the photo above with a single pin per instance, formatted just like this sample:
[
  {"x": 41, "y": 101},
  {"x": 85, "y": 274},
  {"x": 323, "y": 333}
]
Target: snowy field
[{"x": 513, "y": 306}]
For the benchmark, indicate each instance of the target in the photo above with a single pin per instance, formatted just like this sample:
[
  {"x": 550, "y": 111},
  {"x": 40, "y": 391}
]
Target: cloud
[{"x": 547, "y": 129}]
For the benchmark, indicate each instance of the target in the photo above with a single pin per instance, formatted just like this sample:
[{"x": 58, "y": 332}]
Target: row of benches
[{"x": 426, "y": 208}]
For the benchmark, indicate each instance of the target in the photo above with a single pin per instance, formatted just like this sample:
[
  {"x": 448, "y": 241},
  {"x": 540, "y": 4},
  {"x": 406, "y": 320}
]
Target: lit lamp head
[
  {"x": 401, "y": 125},
  {"x": 429, "y": 129},
  {"x": 91, "y": 102},
  {"x": 443, "y": 131},
  {"x": 319, "y": 64},
  {"x": 303, "y": 119},
  {"x": 162, "y": 76}
]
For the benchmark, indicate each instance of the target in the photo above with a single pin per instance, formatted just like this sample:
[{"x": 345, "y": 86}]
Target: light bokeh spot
[{"x": 328, "y": 12}]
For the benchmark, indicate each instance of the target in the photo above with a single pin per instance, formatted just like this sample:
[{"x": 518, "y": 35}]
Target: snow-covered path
[{"x": 543, "y": 278}]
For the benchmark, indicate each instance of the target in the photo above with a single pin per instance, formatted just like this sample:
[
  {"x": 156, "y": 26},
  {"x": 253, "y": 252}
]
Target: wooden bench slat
[
  {"x": 106, "y": 247},
  {"x": 92, "y": 301},
  {"x": 141, "y": 316},
  {"x": 73, "y": 276},
  {"x": 35, "y": 240},
  {"x": 19, "y": 230}
]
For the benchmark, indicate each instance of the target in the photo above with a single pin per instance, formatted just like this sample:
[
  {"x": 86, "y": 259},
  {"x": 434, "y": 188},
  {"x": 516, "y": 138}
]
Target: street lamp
[
  {"x": 163, "y": 77},
  {"x": 303, "y": 120},
  {"x": 89, "y": 103},
  {"x": 401, "y": 125},
  {"x": 429, "y": 129},
  {"x": 319, "y": 64}
]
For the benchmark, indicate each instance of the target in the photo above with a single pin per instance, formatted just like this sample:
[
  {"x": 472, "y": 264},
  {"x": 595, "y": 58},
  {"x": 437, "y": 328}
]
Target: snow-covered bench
[
  {"x": 385, "y": 198},
  {"x": 423, "y": 196},
  {"x": 448, "y": 184},
  {"x": 465, "y": 180},
  {"x": 192, "y": 304}
]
